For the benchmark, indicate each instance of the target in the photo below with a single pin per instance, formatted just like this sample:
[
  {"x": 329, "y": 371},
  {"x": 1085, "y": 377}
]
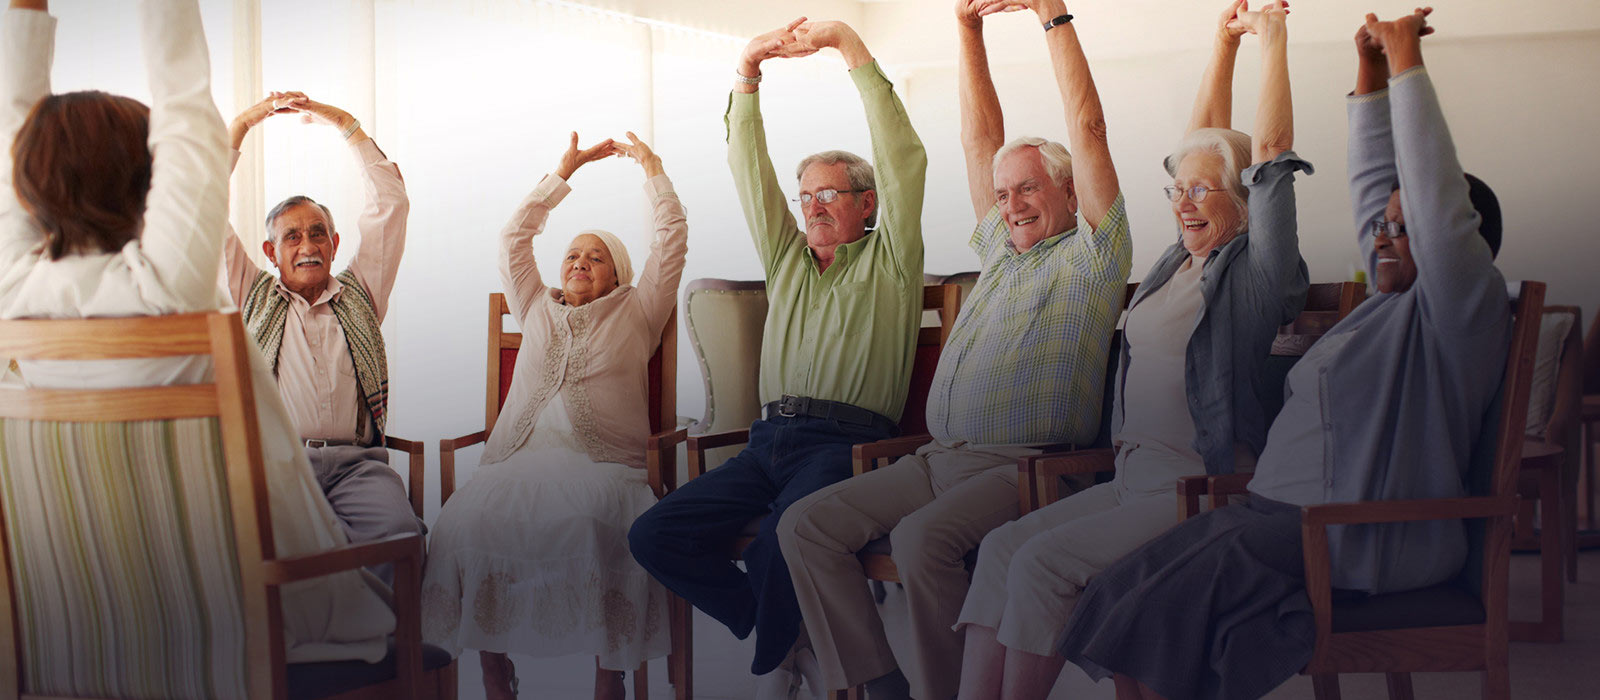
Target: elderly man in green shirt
[
  {"x": 844, "y": 307},
  {"x": 1024, "y": 367}
]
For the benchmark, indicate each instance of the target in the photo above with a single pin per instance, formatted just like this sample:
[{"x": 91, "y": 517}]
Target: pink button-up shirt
[{"x": 316, "y": 374}]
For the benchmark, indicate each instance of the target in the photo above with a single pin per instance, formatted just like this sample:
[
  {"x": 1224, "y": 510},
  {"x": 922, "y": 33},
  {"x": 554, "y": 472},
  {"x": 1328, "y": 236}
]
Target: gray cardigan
[
  {"x": 1252, "y": 285},
  {"x": 1408, "y": 400}
]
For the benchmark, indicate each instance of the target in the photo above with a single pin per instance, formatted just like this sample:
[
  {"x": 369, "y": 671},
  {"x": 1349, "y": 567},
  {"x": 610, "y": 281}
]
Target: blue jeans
[{"x": 683, "y": 540}]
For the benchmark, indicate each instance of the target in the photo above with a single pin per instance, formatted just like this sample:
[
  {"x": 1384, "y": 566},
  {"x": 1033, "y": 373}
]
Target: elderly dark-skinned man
[
  {"x": 844, "y": 307},
  {"x": 320, "y": 331}
]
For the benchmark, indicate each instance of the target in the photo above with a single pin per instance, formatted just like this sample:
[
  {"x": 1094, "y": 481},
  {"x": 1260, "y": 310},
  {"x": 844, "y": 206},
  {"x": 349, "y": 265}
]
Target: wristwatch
[{"x": 1058, "y": 21}]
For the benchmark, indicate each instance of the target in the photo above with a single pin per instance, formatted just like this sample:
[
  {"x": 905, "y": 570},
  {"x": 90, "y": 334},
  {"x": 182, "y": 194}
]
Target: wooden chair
[
  {"x": 1039, "y": 476},
  {"x": 945, "y": 299},
  {"x": 166, "y": 487},
  {"x": 660, "y": 448},
  {"x": 1549, "y": 478},
  {"x": 1590, "y": 419},
  {"x": 1455, "y": 626}
]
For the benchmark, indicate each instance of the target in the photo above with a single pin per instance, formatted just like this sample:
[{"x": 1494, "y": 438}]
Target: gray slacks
[{"x": 366, "y": 494}]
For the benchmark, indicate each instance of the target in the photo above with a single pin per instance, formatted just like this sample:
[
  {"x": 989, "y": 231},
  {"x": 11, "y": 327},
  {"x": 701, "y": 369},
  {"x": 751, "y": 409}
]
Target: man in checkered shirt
[{"x": 1024, "y": 367}]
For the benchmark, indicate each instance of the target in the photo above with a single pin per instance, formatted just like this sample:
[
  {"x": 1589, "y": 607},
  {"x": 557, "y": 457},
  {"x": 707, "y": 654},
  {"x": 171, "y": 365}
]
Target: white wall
[{"x": 1521, "y": 109}]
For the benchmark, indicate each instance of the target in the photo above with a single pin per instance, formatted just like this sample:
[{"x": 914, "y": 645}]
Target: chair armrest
[
  {"x": 393, "y": 548},
  {"x": 1190, "y": 489},
  {"x": 698, "y": 444},
  {"x": 1221, "y": 486},
  {"x": 661, "y": 460},
  {"x": 416, "y": 464},
  {"x": 1038, "y": 475},
  {"x": 1314, "y": 522},
  {"x": 447, "y": 461},
  {"x": 864, "y": 457}
]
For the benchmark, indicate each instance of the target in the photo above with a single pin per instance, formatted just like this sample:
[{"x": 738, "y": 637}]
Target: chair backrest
[
  {"x": 945, "y": 301},
  {"x": 1327, "y": 303},
  {"x": 1555, "y": 397},
  {"x": 1591, "y": 357},
  {"x": 1489, "y": 543},
  {"x": 502, "y": 361},
  {"x": 133, "y": 522},
  {"x": 726, "y": 323}
]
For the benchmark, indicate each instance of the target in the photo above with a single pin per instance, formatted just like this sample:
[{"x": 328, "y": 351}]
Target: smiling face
[
  {"x": 1035, "y": 207},
  {"x": 844, "y": 220},
  {"x": 1211, "y": 223},
  {"x": 587, "y": 272},
  {"x": 1396, "y": 270},
  {"x": 302, "y": 248}
]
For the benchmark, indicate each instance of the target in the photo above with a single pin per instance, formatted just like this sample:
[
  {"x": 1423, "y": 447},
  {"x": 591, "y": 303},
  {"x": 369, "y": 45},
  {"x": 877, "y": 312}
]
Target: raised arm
[
  {"x": 658, "y": 281},
  {"x": 1094, "y": 177},
  {"x": 383, "y": 214},
  {"x": 899, "y": 160},
  {"x": 1274, "y": 130},
  {"x": 1456, "y": 276},
  {"x": 1213, "y": 106},
  {"x": 1371, "y": 144},
  {"x": 519, "y": 271},
  {"x": 27, "y": 42},
  {"x": 766, "y": 210},
  {"x": 983, "y": 128},
  {"x": 186, "y": 212}
]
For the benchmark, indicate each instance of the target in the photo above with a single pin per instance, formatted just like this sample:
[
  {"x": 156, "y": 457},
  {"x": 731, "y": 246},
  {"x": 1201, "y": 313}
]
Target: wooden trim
[
  {"x": 709, "y": 284},
  {"x": 864, "y": 457},
  {"x": 106, "y": 338},
  {"x": 491, "y": 394},
  {"x": 142, "y": 403},
  {"x": 349, "y": 557}
]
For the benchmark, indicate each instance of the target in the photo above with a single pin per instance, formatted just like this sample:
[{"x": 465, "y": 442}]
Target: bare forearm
[
  {"x": 1372, "y": 74},
  {"x": 1095, "y": 179},
  {"x": 1404, "y": 54},
  {"x": 1213, "y": 106},
  {"x": 40, "y": 5},
  {"x": 982, "y": 122},
  {"x": 854, "y": 51},
  {"x": 1274, "y": 132}
]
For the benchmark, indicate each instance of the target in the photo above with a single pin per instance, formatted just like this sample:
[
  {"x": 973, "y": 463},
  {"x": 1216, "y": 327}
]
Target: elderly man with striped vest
[{"x": 320, "y": 331}]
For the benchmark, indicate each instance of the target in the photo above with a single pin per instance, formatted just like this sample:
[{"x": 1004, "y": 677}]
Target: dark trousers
[{"x": 683, "y": 540}]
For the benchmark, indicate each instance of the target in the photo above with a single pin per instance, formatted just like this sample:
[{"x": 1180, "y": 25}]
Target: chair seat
[
  {"x": 1444, "y": 605},
  {"x": 308, "y": 681}
]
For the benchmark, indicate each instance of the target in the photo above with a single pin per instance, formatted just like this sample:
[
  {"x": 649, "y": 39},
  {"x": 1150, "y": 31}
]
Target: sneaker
[{"x": 781, "y": 684}]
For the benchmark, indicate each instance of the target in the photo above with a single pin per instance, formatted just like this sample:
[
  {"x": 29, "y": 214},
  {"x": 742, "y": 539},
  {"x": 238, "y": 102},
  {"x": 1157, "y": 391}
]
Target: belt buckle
[
  {"x": 316, "y": 442},
  {"x": 787, "y": 404}
]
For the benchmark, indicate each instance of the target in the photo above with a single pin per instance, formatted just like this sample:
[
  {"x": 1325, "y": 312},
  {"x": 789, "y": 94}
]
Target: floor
[{"x": 1538, "y": 671}]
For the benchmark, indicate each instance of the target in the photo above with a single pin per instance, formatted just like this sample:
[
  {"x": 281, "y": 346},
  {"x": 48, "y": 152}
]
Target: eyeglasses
[
  {"x": 1197, "y": 193},
  {"x": 824, "y": 196},
  {"x": 1390, "y": 229}
]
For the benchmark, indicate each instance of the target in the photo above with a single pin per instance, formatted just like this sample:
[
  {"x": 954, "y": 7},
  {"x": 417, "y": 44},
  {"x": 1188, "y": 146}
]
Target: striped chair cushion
[{"x": 122, "y": 559}]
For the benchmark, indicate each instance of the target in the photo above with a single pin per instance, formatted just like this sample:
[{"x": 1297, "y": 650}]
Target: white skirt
[{"x": 531, "y": 557}]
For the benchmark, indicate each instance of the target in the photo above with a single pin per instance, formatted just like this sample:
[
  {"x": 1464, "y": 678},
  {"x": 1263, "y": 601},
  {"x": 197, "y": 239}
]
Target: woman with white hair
[
  {"x": 1189, "y": 394},
  {"x": 531, "y": 556}
]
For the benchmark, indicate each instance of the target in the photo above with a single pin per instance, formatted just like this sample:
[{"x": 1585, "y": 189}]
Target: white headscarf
[{"x": 619, "y": 255}]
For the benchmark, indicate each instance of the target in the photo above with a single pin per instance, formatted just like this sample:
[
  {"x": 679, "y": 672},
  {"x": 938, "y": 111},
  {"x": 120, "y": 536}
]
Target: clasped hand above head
[
  {"x": 798, "y": 38},
  {"x": 292, "y": 102},
  {"x": 635, "y": 148}
]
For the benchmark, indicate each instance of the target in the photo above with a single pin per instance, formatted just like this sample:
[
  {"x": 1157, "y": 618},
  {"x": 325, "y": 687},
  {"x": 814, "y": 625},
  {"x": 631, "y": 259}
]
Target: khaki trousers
[{"x": 935, "y": 506}]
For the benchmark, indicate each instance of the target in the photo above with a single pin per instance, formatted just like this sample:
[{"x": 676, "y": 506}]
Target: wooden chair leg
[
  {"x": 1325, "y": 686},
  {"x": 1497, "y": 682},
  {"x": 641, "y": 681},
  {"x": 683, "y": 646},
  {"x": 1126, "y": 687},
  {"x": 1399, "y": 686}
]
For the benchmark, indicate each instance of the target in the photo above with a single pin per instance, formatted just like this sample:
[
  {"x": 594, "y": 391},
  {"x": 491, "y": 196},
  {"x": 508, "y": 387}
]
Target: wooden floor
[{"x": 1538, "y": 671}]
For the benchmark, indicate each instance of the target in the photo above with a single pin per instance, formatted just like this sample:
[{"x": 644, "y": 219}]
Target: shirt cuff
[
  {"x": 1407, "y": 74},
  {"x": 369, "y": 153},
  {"x": 869, "y": 75},
  {"x": 656, "y": 186},
  {"x": 1280, "y": 167},
  {"x": 1374, "y": 96},
  {"x": 551, "y": 190}
]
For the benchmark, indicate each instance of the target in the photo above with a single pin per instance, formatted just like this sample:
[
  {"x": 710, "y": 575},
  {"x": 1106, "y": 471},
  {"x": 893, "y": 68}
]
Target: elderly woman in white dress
[
  {"x": 111, "y": 208},
  {"x": 531, "y": 557}
]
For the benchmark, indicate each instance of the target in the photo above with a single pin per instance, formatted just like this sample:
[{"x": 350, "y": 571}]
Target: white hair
[
  {"x": 1057, "y": 161},
  {"x": 1234, "y": 149},
  {"x": 856, "y": 169}
]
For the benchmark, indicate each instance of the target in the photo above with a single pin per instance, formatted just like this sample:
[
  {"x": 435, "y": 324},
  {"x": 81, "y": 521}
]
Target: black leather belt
[
  {"x": 318, "y": 442},
  {"x": 791, "y": 406}
]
